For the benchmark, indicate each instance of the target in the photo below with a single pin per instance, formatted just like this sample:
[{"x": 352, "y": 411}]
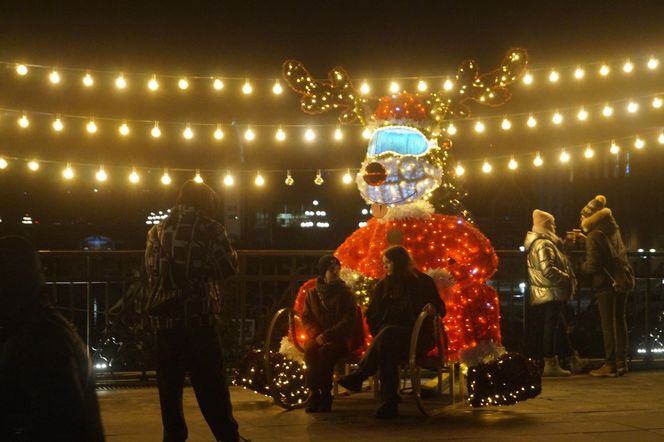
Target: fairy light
[
  {"x": 347, "y": 178},
  {"x": 459, "y": 170},
  {"x": 486, "y": 167},
  {"x": 660, "y": 138},
  {"x": 479, "y": 127},
  {"x": 506, "y": 124},
  {"x": 54, "y": 77},
  {"x": 582, "y": 115},
  {"x": 188, "y": 133},
  {"x": 166, "y": 178},
  {"x": 319, "y": 179},
  {"x": 228, "y": 179},
  {"x": 3, "y": 163},
  {"x": 532, "y": 122},
  {"x": 451, "y": 129},
  {"x": 614, "y": 149},
  {"x": 632, "y": 107},
  {"x": 557, "y": 118},
  {"x": 249, "y": 135},
  {"x": 101, "y": 175},
  {"x": 421, "y": 86},
  {"x": 280, "y": 135},
  {"x": 528, "y": 78},
  {"x": 289, "y": 181},
  {"x": 653, "y": 63},
  {"x": 218, "y": 133},
  {"x": 153, "y": 84},
  {"x": 183, "y": 84},
  {"x": 277, "y": 89},
  {"x": 628, "y": 67},
  {"x": 57, "y": 125},
  {"x": 607, "y": 111},
  {"x": 134, "y": 177},
  {"x": 247, "y": 88},
  {"x": 23, "y": 121},
  {"x": 589, "y": 152},
  {"x": 259, "y": 180},
  {"x": 91, "y": 127},
  {"x": 124, "y": 129},
  {"x": 88, "y": 81},
  {"x": 120, "y": 82},
  {"x": 364, "y": 88},
  {"x": 579, "y": 73},
  {"x": 513, "y": 164},
  {"x": 448, "y": 85},
  {"x": 33, "y": 165},
  {"x": 394, "y": 87},
  {"x": 68, "y": 172},
  {"x": 198, "y": 178},
  {"x": 338, "y": 134},
  {"x": 564, "y": 156},
  {"x": 217, "y": 84},
  {"x": 554, "y": 76},
  {"x": 656, "y": 102},
  {"x": 309, "y": 135},
  {"x": 21, "y": 70},
  {"x": 155, "y": 131},
  {"x": 639, "y": 143},
  {"x": 604, "y": 70},
  {"x": 538, "y": 161},
  {"x": 366, "y": 133}
]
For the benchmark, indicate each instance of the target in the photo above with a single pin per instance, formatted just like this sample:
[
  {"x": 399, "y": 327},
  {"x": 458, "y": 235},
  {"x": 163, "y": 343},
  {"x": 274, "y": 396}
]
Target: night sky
[{"x": 370, "y": 40}]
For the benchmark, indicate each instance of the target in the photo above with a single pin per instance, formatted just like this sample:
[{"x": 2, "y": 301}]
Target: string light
[
  {"x": 589, "y": 152},
  {"x": 538, "y": 161},
  {"x": 249, "y": 135},
  {"x": 366, "y": 133},
  {"x": 604, "y": 70},
  {"x": 68, "y": 172},
  {"x": 554, "y": 76},
  {"x": 582, "y": 115},
  {"x": 124, "y": 129},
  {"x": 101, "y": 175},
  {"x": 247, "y": 88},
  {"x": 394, "y": 87},
  {"x": 557, "y": 118},
  {"x": 33, "y": 165},
  {"x": 614, "y": 149},
  {"x": 289, "y": 181},
  {"x": 23, "y": 121},
  {"x": 512, "y": 165},
  {"x": 120, "y": 82},
  {"x": 277, "y": 89},
  {"x": 451, "y": 129},
  {"x": 3, "y": 163},
  {"x": 564, "y": 156},
  {"x": 134, "y": 177},
  {"x": 338, "y": 134},
  {"x": 198, "y": 178},
  {"x": 21, "y": 70},
  {"x": 259, "y": 181},
  {"x": 319, "y": 179},
  {"x": 506, "y": 124},
  {"x": 607, "y": 111},
  {"x": 217, "y": 84},
  {"x": 364, "y": 88},
  {"x": 57, "y": 125},
  {"x": 88, "y": 81},
  {"x": 448, "y": 85},
  {"x": 155, "y": 131},
  {"x": 183, "y": 84},
  {"x": 656, "y": 102},
  {"x": 228, "y": 180},
  {"x": 628, "y": 67},
  {"x": 309, "y": 135},
  {"x": 639, "y": 143},
  {"x": 187, "y": 133},
  {"x": 660, "y": 138},
  {"x": 486, "y": 167},
  {"x": 347, "y": 178},
  {"x": 479, "y": 127},
  {"x": 528, "y": 78},
  {"x": 579, "y": 73},
  {"x": 459, "y": 170},
  {"x": 165, "y": 178},
  {"x": 218, "y": 133},
  {"x": 632, "y": 107},
  {"x": 91, "y": 127},
  {"x": 653, "y": 63},
  {"x": 421, "y": 86},
  {"x": 532, "y": 122},
  {"x": 153, "y": 84},
  {"x": 54, "y": 77},
  {"x": 280, "y": 135}
]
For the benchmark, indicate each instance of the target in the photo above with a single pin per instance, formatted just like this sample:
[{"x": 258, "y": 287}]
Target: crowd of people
[{"x": 187, "y": 258}]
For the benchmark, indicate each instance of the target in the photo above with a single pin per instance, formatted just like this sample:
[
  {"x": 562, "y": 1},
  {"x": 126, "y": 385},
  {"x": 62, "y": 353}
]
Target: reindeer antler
[{"x": 319, "y": 96}]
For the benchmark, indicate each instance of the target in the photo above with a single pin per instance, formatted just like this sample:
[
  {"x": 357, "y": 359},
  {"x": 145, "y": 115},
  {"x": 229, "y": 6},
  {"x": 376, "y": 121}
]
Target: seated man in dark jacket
[
  {"x": 395, "y": 305},
  {"x": 47, "y": 389},
  {"x": 328, "y": 318}
]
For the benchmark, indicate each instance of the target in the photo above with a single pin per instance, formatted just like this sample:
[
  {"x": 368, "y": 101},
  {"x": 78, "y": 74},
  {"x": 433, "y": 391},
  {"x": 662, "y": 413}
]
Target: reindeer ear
[{"x": 296, "y": 75}]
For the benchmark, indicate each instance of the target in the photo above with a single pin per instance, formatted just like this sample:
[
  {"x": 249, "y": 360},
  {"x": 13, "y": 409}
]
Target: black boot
[
  {"x": 352, "y": 382},
  {"x": 388, "y": 410},
  {"x": 325, "y": 404},
  {"x": 313, "y": 401}
]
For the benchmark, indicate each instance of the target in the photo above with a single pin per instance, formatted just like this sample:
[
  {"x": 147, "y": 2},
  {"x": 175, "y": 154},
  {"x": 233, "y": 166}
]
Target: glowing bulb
[
  {"x": 88, "y": 81},
  {"x": 448, "y": 85},
  {"x": 309, "y": 135},
  {"x": 538, "y": 161},
  {"x": 259, "y": 181},
  {"x": 277, "y": 89},
  {"x": 101, "y": 174},
  {"x": 557, "y": 118},
  {"x": 579, "y": 73},
  {"x": 421, "y": 86},
  {"x": 155, "y": 131},
  {"x": 652, "y": 63},
  {"x": 656, "y": 102},
  {"x": 228, "y": 179},
  {"x": 451, "y": 129},
  {"x": 512, "y": 165},
  {"x": 218, "y": 133},
  {"x": 528, "y": 78},
  {"x": 249, "y": 135},
  {"x": 479, "y": 127},
  {"x": 614, "y": 149},
  {"x": 486, "y": 167},
  {"x": 134, "y": 177},
  {"x": 280, "y": 135},
  {"x": 68, "y": 172},
  {"x": 21, "y": 69},
  {"x": 554, "y": 76},
  {"x": 198, "y": 178},
  {"x": 506, "y": 124},
  {"x": 582, "y": 115},
  {"x": 607, "y": 111},
  {"x": 246, "y": 88},
  {"x": 660, "y": 138},
  {"x": 183, "y": 84},
  {"x": 564, "y": 156},
  {"x": 120, "y": 82},
  {"x": 347, "y": 178},
  {"x": 604, "y": 70},
  {"x": 632, "y": 107},
  {"x": 532, "y": 122},
  {"x": 589, "y": 152},
  {"x": 459, "y": 170},
  {"x": 23, "y": 121},
  {"x": 366, "y": 133},
  {"x": 91, "y": 127},
  {"x": 394, "y": 87},
  {"x": 639, "y": 143},
  {"x": 3, "y": 163},
  {"x": 124, "y": 129},
  {"x": 57, "y": 125},
  {"x": 153, "y": 84},
  {"x": 217, "y": 84},
  {"x": 628, "y": 67},
  {"x": 364, "y": 89},
  {"x": 54, "y": 77},
  {"x": 319, "y": 179},
  {"x": 33, "y": 166},
  {"x": 338, "y": 134},
  {"x": 187, "y": 133},
  {"x": 165, "y": 178},
  {"x": 289, "y": 181}
]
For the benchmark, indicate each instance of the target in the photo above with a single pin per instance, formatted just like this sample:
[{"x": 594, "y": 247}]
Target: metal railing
[{"x": 94, "y": 288}]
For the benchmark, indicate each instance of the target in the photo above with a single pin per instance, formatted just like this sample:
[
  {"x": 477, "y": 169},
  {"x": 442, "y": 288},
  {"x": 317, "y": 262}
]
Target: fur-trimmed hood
[{"x": 601, "y": 220}]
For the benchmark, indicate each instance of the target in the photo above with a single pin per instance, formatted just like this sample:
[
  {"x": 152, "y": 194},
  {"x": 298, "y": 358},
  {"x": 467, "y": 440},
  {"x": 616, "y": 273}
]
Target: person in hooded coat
[
  {"x": 328, "y": 318},
  {"x": 603, "y": 236}
]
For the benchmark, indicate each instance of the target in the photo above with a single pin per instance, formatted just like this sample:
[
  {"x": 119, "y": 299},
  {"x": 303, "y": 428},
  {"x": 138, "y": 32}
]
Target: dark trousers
[
  {"x": 611, "y": 306},
  {"x": 551, "y": 320},
  {"x": 388, "y": 349},
  {"x": 548, "y": 328},
  {"x": 196, "y": 350},
  {"x": 320, "y": 360}
]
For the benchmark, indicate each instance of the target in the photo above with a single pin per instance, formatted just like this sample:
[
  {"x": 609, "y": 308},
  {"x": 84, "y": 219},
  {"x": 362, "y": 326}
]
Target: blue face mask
[{"x": 399, "y": 140}]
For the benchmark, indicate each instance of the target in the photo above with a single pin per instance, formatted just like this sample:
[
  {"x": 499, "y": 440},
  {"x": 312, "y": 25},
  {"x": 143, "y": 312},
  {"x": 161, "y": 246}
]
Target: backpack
[{"x": 619, "y": 270}]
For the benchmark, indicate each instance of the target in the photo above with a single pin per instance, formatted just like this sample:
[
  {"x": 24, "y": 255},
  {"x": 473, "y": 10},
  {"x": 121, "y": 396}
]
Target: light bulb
[
  {"x": 289, "y": 181},
  {"x": 155, "y": 131},
  {"x": 557, "y": 118},
  {"x": 319, "y": 179},
  {"x": 187, "y": 133},
  {"x": 91, "y": 127},
  {"x": 582, "y": 115},
  {"x": 614, "y": 149},
  {"x": 124, "y": 129},
  {"x": 451, "y": 129},
  {"x": 249, "y": 135},
  {"x": 54, "y": 77},
  {"x": 309, "y": 135},
  {"x": 277, "y": 89},
  {"x": 23, "y": 121},
  {"x": 479, "y": 127},
  {"x": 653, "y": 63},
  {"x": 532, "y": 122},
  {"x": 280, "y": 135},
  {"x": 134, "y": 177},
  {"x": 68, "y": 172},
  {"x": 366, "y": 133},
  {"x": 364, "y": 89},
  {"x": 604, "y": 70},
  {"x": 88, "y": 81},
  {"x": 246, "y": 88},
  {"x": 660, "y": 138},
  {"x": 259, "y": 181},
  {"x": 579, "y": 73},
  {"x": 165, "y": 178},
  {"x": 589, "y": 152},
  {"x": 506, "y": 124},
  {"x": 228, "y": 179},
  {"x": 528, "y": 78},
  {"x": 101, "y": 175},
  {"x": 639, "y": 143},
  {"x": 486, "y": 167},
  {"x": 33, "y": 165},
  {"x": 538, "y": 161},
  {"x": 218, "y": 133},
  {"x": 183, "y": 84},
  {"x": 394, "y": 87},
  {"x": 153, "y": 84},
  {"x": 607, "y": 111},
  {"x": 21, "y": 69},
  {"x": 656, "y": 102},
  {"x": 564, "y": 156},
  {"x": 217, "y": 84},
  {"x": 57, "y": 125},
  {"x": 554, "y": 76},
  {"x": 459, "y": 170},
  {"x": 448, "y": 85},
  {"x": 632, "y": 107},
  {"x": 338, "y": 134},
  {"x": 3, "y": 163},
  {"x": 628, "y": 67},
  {"x": 120, "y": 82},
  {"x": 421, "y": 86},
  {"x": 512, "y": 165},
  {"x": 198, "y": 178},
  {"x": 347, "y": 178}
]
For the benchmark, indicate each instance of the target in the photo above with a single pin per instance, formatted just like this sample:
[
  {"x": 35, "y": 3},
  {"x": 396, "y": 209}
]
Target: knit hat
[
  {"x": 595, "y": 204},
  {"x": 543, "y": 222},
  {"x": 325, "y": 262}
]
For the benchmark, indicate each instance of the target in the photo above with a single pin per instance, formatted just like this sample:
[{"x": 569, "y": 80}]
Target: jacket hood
[{"x": 601, "y": 220}]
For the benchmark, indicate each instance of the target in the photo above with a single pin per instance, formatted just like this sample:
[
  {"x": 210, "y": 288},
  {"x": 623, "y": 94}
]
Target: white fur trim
[
  {"x": 484, "y": 352},
  {"x": 419, "y": 210},
  {"x": 442, "y": 277},
  {"x": 288, "y": 349}
]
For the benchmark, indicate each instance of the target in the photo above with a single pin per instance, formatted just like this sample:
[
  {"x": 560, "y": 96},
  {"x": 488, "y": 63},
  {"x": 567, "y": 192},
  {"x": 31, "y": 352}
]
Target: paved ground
[{"x": 579, "y": 408}]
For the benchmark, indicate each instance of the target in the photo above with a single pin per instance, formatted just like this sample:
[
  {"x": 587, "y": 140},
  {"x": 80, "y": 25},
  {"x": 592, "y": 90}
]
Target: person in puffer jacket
[{"x": 552, "y": 283}]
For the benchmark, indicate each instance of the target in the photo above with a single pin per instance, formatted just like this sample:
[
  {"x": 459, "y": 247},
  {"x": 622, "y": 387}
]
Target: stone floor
[{"x": 580, "y": 408}]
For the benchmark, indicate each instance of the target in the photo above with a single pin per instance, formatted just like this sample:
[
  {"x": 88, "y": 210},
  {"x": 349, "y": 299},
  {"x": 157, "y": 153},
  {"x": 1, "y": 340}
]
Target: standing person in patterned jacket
[{"x": 191, "y": 251}]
